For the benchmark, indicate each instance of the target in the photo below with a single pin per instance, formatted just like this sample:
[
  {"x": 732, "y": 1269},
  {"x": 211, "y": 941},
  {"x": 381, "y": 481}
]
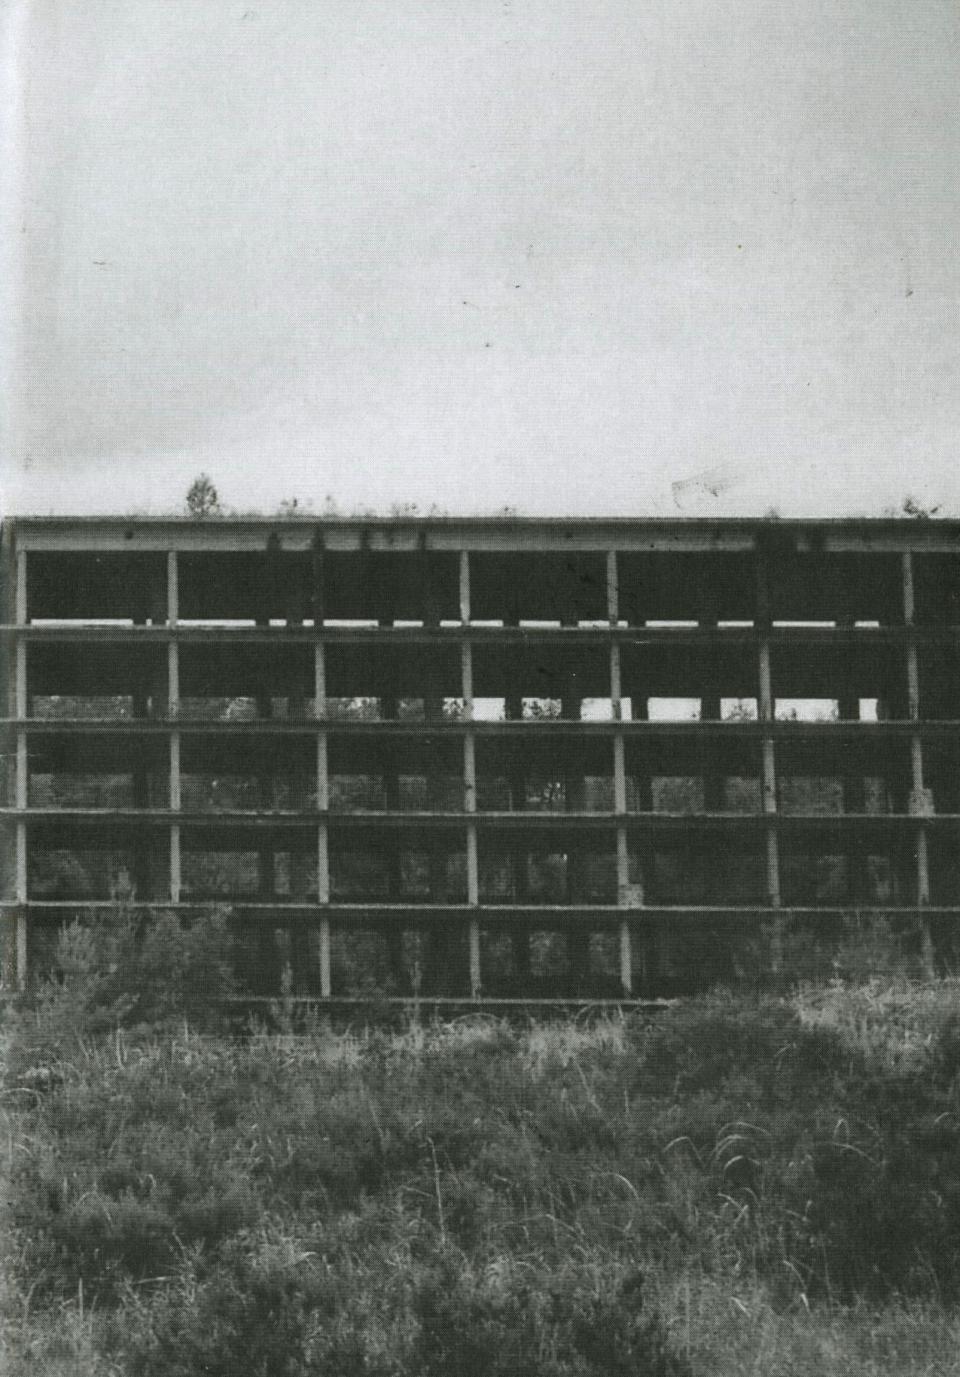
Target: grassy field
[{"x": 731, "y": 1186}]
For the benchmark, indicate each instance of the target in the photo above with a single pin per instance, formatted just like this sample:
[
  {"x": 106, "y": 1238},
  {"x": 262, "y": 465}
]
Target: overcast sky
[{"x": 567, "y": 256}]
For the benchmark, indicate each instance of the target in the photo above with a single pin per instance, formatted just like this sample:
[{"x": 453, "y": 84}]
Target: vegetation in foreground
[{"x": 730, "y": 1187}]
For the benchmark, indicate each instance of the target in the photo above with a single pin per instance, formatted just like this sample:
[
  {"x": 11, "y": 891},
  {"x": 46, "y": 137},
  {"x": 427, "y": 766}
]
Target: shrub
[
  {"x": 271, "y": 1309},
  {"x": 540, "y": 1326},
  {"x": 255, "y": 1314},
  {"x": 469, "y": 1197},
  {"x": 122, "y": 970}
]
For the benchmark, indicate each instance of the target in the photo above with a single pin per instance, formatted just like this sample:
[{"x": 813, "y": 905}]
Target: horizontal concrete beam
[
  {"x": 521, "y": 820},
  {"x": 487, "y": 915},
  {"x": 719, "y": 637},
  {"x": 506, "y": 533},
  {"x": 536, "y": 728}
]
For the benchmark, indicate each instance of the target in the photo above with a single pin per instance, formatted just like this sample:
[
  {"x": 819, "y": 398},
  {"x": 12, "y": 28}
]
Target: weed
[{"x": 474, "y": 1196}]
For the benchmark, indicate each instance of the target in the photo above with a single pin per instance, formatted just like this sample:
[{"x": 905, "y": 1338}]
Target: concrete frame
[{"x": 910, "y": 641}]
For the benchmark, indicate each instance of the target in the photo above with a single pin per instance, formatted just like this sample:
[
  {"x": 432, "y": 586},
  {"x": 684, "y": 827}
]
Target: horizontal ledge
[
  {"x": 504, "y": 533},
  {"x": 479, "y": 634},
  {"x": 519, "y": 820},
  {"x": 537, "y": 726},
  {"x": 492, "y": 914},
  {"x": 471, "y": 1004}
]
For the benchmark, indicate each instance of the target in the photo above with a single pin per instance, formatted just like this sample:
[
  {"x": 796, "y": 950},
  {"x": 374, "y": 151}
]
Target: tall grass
[{"x": 730, "y": 1186}]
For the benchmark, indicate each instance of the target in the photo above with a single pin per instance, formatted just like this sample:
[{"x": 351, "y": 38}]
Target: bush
[
  {"x": 272, "y": 1309},
  {"x": 544, "y": 1326},
  {"x": 122, "y": 970},
  {"x": 255, "y": 1314},
  {"x": 471, "y": 1197}
]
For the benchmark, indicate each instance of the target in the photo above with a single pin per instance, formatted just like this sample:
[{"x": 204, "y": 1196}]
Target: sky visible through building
[{"x": 559, "y": 256}]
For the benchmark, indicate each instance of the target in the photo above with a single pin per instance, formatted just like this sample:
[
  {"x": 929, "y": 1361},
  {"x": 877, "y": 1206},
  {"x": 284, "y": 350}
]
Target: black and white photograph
[{"x": 479, "y": 688}]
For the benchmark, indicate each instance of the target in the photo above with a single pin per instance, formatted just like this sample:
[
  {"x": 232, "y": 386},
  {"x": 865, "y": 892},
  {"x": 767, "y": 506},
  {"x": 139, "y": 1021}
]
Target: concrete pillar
[
  {"x": 317, "y": 579},
  {"x": 323, "y": 806},
  {"x": 21, "y": 862},
  {"x": 470, "y": 785},
  {"x": 765, "y": 705},
  {"x": 921, "y": 804},
  {"x": 465, "y": 587},
  {"x": 22, "y": 777},
  {"x": 21, "y": 602},
  {"x": 174, "y": 879},
  {"x": 20, "y": 687},
  {"x": 625, "y": 895},
  {"x": 13, "y": 693},
  {"x": 613, "y": 589},
  {"x": 175, "y": 863},
  {"x": 324, "y": 938},
  {"x": 21, "y": 883}
]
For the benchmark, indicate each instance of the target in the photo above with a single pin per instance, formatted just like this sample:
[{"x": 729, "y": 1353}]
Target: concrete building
[{"x": 483, "y": 759}]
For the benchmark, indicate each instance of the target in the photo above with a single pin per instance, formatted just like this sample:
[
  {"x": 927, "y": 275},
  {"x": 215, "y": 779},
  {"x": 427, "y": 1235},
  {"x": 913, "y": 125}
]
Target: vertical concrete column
[
  {"x": 20, "y": 698},
  {"x": 319, "y": 680},
  {"x": 173, "y": 589},
  {"x": 175, "y": 802},
  {"x": 20, "y": 596},
  {"x": 317, "y": 595},
  {"x": 853, "y": 800},
  {"x": 465, "y": 613},
  {"x": 20, "y": 712},
  {"x": 651, "y": 939},
  {"x": 22, "y": 771},
  {"x": 272, "y": 940},
  {"x": 470, "y": 782},
  {"x": 852, "y": 785},
  {"x": 571, "y": 696},
  {"x": 175, "y": 863},
  {"x": 20, "y": 690},
  {"x": 173, "y": 709},
  {"x": 323, "y": 874},
  {"x": 21, "y": 782},
  {"x": 613, "y": 589},
  {"x": 23, "y": 955},
  {"x": 317, "y": 579},
  {"x": 21, "y": 897},
  {"x": 619, "y": 774},
  {"x": 578, "y": 935},
  {"x": 21, "y": 863},
  {"x": 473, "y": 864},
  {"x": 517, "y": 773},
  {"x": 466, "y": 680},
  {"x": 711, "y": 711},
  {"x": 20, "y": 681},
  {"x": 323, "y": 805},
  {"x": 13, "y": 704},
  {"x": 433, "y": 686},
  {"x": 574, "y": 789},
  {"x": 429, "y": 593},
  {"x": 624, "y": 895},
  {"x": 616, "y": 684},
  {"x": 303, "y": 936},
  {"x": 391, "y": 788},
  {"x": 10, "y": 742},
  {"x": 765, "y": 705},
  {"x": 920, "y": 804}
]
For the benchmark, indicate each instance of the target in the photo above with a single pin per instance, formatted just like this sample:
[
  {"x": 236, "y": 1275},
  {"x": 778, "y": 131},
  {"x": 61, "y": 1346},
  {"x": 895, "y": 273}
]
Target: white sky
[{"x": 568, "y": 256}]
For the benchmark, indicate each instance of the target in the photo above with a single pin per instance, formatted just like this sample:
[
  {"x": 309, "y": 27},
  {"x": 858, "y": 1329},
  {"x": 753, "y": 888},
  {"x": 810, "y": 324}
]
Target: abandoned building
[{"x": 481, "y": 759}]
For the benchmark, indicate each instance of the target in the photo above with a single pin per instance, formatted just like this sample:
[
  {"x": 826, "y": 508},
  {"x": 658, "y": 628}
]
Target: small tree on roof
[{"x": 202, "y": 497}]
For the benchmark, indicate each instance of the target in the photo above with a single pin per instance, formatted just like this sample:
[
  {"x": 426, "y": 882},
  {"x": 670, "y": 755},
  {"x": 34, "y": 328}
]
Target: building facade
[{"x": 481, "y": 759}]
